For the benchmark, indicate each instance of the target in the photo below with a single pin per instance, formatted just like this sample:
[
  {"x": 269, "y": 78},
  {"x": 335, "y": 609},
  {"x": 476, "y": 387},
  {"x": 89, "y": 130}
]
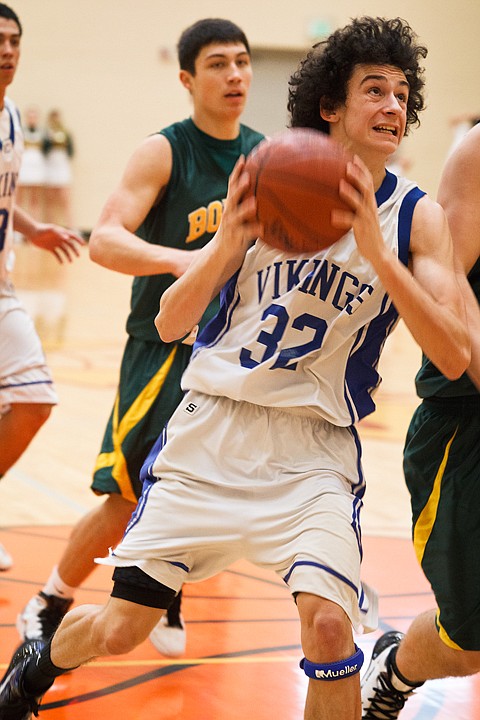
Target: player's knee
[
  {"x": 115, "y": 635},
  {"x": 118, "y": 508},
  {"x": 327, "y": 640},
  {"x": 326, "y": 630},
  {"x": 120, "y": 641}
]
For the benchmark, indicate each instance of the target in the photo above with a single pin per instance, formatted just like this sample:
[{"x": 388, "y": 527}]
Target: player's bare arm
[
  {"x": 113, "y": 242},
  {"x": 62, "y": 242},
  {"x": 459, "y": 194},
  {"x": 184, "y": 303},
  {"x": 426, "y": 295}
]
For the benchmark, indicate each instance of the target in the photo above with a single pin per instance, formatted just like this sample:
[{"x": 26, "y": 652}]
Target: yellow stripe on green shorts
[
  {"x": 426, "y": 519},
  {"x": 120, "y": 429}
]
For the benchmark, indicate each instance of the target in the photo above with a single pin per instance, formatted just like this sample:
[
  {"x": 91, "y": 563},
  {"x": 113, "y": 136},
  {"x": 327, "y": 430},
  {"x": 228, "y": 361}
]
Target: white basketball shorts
[
  {"x": 24, "y": 375},
  {"x": 238, "y": 480}
]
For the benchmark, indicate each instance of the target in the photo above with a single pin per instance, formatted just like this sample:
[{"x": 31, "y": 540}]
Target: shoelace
[{"x": 386, "y": 701}]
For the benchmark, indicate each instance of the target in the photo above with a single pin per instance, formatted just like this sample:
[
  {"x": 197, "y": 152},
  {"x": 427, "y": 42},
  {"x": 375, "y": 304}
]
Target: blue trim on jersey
[
  {"x": 327, "y": 569},
  {"x": 12, "y": 128},
  {"x": 214, "y": 330},
  {"x": 26, "y": 384},
  {"x": 387, "y": 187},
  {"x": 405, "y": 216},
  {"x": 361, "y": 376}
]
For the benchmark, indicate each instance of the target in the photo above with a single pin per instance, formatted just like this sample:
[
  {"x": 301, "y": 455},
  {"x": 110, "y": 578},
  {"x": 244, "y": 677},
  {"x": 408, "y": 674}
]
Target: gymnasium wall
[{"x": 110, "y": 67}]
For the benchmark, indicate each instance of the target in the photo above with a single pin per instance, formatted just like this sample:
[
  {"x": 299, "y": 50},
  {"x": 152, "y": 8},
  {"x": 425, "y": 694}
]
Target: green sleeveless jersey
[
  {"x": 189, "y": 212},
  {"x": 430, "y": 382}
]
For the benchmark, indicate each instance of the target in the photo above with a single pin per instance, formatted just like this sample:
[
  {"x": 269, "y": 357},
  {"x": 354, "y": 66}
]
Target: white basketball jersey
[
  {"x": 11, "y": 150},
  {"x": 305, "y": 332}
]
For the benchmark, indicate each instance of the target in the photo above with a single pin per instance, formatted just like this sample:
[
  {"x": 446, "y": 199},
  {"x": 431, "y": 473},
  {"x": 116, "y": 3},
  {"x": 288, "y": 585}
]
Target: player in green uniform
[
  {"x": 167, "y": 206},
  {"x": 442, "y": 471}
]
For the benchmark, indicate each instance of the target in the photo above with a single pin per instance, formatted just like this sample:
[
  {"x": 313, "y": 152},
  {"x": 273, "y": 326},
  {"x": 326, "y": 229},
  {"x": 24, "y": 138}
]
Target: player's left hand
[{"x": 65, "y": 244}]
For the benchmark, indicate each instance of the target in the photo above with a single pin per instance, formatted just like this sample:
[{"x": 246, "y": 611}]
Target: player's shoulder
[
  {"x": 470, "y": 143},
  {"x": 10, "y": 103},
  {"x": 180, "y": 131},
  {"x": 461, "y": 174},
  {"x": 12, "y": 108},
  {"x": 150, "y": 163},
  {"x": 252, "y": 134},
  {"x": 429, "y": 226},
  {"x": 156, "y": 148}
]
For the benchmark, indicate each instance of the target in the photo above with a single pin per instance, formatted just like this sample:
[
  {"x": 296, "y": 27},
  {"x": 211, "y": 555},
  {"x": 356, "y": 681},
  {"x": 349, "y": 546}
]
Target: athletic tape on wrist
[{"x": 336, "y": 670}]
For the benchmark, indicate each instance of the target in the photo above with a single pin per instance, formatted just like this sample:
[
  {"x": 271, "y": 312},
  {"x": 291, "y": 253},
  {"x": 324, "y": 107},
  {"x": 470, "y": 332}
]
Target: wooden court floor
[{"x": 243, "y": 645}]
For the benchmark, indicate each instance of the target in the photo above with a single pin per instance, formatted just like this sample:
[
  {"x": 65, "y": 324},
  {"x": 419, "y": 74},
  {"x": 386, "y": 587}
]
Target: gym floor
[{"x": 242, "y": 629}]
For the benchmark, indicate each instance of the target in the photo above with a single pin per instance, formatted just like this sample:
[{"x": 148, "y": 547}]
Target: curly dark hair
[{"x": 323, "y": 75}]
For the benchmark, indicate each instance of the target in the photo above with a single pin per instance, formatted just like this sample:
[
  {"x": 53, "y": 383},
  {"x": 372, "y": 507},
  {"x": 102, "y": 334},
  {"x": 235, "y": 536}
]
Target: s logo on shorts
[{"x": 190, "y": 408}]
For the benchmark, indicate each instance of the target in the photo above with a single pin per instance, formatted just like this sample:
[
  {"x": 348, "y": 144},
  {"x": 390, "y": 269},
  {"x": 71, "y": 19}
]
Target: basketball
[{"x": 295, "y": 177}]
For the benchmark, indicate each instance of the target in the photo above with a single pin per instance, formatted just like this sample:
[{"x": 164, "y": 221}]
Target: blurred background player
[
  {"x": 168, "y": 205},
  {"x": 58, "y": 148},
  {"x": 27, "y": 394}
]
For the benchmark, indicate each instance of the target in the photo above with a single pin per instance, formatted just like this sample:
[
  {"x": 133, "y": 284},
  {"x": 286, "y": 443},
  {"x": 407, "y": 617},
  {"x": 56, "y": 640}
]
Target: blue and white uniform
[
  {"x": 261, "y": 460},
  {"x": 306, "y": 331},
  {"x": 24, "y": 376}
]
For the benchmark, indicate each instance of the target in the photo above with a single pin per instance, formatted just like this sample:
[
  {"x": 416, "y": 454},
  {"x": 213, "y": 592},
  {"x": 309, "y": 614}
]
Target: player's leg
[
  {"x": 18, "y": 427},
  {"x": 138, "y": 601},
  {"x": 91, "y": 537},
  {"x": 441, "y": 460},
  {"x": 90, "y": 631},
  {"x": 100, "y": 529},
  {"x": 27, "y": 394},
  {"x": 314, "y": 543},
  {"x": 144, "y": 402},
  {"x": 423, "y": 655},
  {"x": 86, "y": 632},
  {"x": 334, "y": 661},
  {"x": 26, "y": 390}
]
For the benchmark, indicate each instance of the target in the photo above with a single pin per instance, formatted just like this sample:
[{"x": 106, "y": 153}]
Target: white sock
[{"x": 56, "y": 586}]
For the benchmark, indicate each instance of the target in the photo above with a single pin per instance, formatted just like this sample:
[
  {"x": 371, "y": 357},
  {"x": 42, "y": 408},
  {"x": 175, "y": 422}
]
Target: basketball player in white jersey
[
  {"x": 27, "y": 394},
  {"x": 261, "y": 460}
]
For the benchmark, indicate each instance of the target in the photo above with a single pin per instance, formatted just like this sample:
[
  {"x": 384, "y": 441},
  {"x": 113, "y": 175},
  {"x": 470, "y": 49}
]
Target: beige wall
[{"x": 110, "y": 66}]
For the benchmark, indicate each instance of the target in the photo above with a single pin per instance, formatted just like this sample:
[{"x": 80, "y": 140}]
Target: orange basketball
[{"x": 295, "y": 177}]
